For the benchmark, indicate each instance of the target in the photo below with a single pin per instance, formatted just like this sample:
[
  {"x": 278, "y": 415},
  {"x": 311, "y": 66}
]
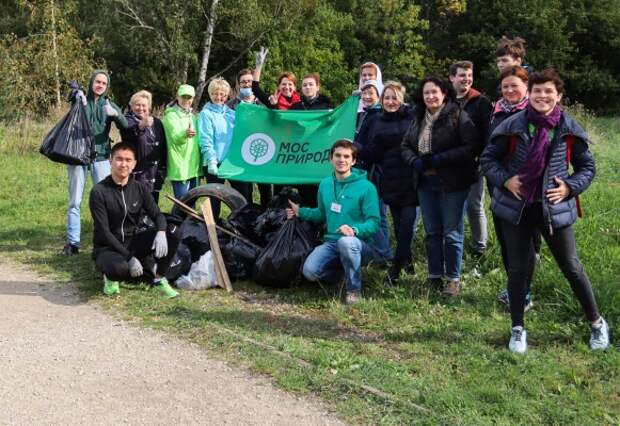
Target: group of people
[{"x": 425, "y": 159}]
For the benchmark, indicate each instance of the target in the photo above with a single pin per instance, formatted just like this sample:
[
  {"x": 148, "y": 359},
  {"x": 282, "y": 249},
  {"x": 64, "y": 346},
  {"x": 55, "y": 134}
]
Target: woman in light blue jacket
[{"x": 215, "y": 130}]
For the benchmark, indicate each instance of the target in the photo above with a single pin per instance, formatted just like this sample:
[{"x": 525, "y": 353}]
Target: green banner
[{"x": 286, "y": 147}]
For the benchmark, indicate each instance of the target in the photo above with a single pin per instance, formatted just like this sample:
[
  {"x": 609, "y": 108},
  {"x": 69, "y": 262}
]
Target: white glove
[
  {"x": 356, "y": 93},
  {"x": 160, "y": 244},
  {"x": 261, "y": 55},
  {"x": 109, "y": 109},
  {"x": 135, "y": 267},
  {"x": 80, "y": 96},
  {"x": 212, "y": 168}
]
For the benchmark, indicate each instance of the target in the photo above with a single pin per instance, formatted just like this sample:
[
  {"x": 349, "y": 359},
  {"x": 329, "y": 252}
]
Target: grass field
[{"x": 402, "y": 356}]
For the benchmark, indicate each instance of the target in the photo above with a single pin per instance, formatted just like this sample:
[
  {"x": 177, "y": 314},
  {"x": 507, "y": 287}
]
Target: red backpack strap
[
  {"x": 570, "y": 141},
  {"x": 512, "y": 145}
]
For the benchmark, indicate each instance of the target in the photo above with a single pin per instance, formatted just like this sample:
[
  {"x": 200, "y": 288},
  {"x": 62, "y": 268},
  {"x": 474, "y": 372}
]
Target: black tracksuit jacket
[{"x": 117, "y": 212}]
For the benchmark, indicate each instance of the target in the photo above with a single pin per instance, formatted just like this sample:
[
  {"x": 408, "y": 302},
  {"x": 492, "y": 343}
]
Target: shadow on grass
[
  {"x": 252, "y": 322},
  {"x": 39, "y": 238}
]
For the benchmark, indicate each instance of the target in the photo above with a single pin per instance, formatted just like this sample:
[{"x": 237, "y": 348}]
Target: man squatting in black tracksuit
[{"x": 124, "y": 248}]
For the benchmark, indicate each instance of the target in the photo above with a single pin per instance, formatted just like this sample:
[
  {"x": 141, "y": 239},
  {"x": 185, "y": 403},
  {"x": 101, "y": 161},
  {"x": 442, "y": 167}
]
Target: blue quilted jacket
[{"x": 498, "y": 169}]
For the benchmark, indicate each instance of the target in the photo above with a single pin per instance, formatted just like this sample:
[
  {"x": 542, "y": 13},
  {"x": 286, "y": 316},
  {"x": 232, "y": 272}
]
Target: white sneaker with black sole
[
  {"x": 518, "y": 340},
  {"x": 599, "y": 335}
]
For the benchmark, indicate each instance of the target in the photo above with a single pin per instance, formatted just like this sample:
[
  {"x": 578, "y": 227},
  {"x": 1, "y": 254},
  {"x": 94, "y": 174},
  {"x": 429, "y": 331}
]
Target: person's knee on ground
[{"x": 114, "y": 270}]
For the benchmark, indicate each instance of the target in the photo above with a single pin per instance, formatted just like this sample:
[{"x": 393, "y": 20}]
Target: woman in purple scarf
[{"x": 526, "y": 162}]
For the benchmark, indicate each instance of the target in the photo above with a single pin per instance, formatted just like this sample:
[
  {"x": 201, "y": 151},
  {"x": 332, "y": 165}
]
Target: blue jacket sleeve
[
  {"x": 206, "y": 132},
  {"x": 583, "y": 166},
  {"x": 491, "y": 161}
]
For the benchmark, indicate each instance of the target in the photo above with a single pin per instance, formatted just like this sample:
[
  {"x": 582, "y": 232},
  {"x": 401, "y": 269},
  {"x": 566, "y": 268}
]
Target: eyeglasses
[{"x": 245, "y": 82}]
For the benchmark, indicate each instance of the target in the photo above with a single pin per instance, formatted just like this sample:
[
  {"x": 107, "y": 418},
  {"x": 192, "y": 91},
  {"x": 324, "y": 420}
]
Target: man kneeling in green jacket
[{"x": 349, "y": 204}]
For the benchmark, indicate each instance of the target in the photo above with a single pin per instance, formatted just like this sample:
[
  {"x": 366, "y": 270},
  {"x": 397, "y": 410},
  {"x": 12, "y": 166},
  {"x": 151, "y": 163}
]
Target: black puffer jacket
[
  {"x": 319, "y": 102},
  {"x": 498, "y": 169},
  {"x": 363, "y": 126},
  {"x": 395, "y": 178},
  {"x": 150, "y": 144},
  {"x": 453, "y": 139}
]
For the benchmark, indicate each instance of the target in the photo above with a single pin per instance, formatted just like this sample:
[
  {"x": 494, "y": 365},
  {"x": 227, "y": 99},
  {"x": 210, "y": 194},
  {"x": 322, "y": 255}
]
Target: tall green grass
[{"x": 448, "y": 357}]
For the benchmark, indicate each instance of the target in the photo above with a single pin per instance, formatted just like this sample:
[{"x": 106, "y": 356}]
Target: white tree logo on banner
[{"x": 258, "y": 149}]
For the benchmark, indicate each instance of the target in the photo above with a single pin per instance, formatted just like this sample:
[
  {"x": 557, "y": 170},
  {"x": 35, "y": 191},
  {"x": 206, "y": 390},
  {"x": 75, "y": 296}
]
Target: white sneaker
[
  {"x": 518, "y": 340},
  {"x": 599, "y": 335}
]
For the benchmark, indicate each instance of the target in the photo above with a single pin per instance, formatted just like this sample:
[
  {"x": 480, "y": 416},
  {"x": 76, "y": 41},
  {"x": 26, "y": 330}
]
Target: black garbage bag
[
  {"x": 268, "y": 224},
  {"x": 280, "y": 263},
  {"x": 195, "y": 237},
  {"x": 180, "y": 264},
  {"x": 242, "y": 250},
  {"x": 70, "y": 141},
  {"x": 239, "y": 258},
  {"x": 280, "y": 200},
  {"x": 243, "y": 220}
]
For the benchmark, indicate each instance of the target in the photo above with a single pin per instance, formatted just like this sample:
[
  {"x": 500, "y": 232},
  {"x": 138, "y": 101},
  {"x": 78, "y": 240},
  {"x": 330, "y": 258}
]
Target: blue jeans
[
  {"x": 182, "y": 187},
  {"x": 328, "y": 262},
  {"x": 476, "y": 216},
  {"x": 99, "y": 170},
  {"x": 381, "y": 239},
  {"x": 442, "y": 214},
  {"x": 404, "y": 218}
]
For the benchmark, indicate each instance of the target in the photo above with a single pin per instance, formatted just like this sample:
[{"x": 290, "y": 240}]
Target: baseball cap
[{"x": 186, "y": 90}]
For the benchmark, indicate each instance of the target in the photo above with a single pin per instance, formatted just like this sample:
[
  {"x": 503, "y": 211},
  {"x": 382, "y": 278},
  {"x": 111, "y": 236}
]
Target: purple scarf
[{"x": 536, "y": 160}]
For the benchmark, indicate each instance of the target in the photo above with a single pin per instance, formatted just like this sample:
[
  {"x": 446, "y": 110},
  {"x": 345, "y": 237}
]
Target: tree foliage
[
  {"x": 573, "y": 37},
  {"x": 28, "y": 79},
  {"x": 156, "y": 45}
]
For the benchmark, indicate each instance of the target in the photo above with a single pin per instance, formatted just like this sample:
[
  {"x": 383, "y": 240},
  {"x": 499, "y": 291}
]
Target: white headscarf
[{"x": 378, "y": 79}]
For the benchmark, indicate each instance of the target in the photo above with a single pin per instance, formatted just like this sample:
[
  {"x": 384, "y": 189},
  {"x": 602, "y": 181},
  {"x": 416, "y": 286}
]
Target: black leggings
[
  {"x": 116, "y": 267},
  {"x": 499, "y": 233},
  {"x": 520, "y": 251}
]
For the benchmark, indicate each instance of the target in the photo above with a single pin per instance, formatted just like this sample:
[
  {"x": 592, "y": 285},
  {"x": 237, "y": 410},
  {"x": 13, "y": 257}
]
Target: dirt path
[{"x": 63, "y": 362}]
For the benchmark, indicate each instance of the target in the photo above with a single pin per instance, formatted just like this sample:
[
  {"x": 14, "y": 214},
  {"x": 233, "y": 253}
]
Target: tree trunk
[
  {"x": 55, "y": 54},
  {"x": 183, "y": 74},
  {"x": 206, "y": 51}
]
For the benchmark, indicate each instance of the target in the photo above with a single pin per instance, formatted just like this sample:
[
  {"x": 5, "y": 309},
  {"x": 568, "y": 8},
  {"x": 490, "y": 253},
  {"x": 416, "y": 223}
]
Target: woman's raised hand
[{"x": 261, "y": 55}]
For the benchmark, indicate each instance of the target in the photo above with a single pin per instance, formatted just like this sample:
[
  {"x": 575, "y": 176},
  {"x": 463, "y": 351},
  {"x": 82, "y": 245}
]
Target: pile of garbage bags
[{"x": 275, "y": 257}]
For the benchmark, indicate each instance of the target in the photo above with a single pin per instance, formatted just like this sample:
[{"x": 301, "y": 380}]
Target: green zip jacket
[
  {"x": 357, "y": 200},
  {"x": 183, "y": 152},
  {"x": 99, "y": 121}
]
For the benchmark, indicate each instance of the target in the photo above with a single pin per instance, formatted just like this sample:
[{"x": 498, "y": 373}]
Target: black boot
[
  {"x": 393, "y": 274},
  {"x": 409, "y": 269}
]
